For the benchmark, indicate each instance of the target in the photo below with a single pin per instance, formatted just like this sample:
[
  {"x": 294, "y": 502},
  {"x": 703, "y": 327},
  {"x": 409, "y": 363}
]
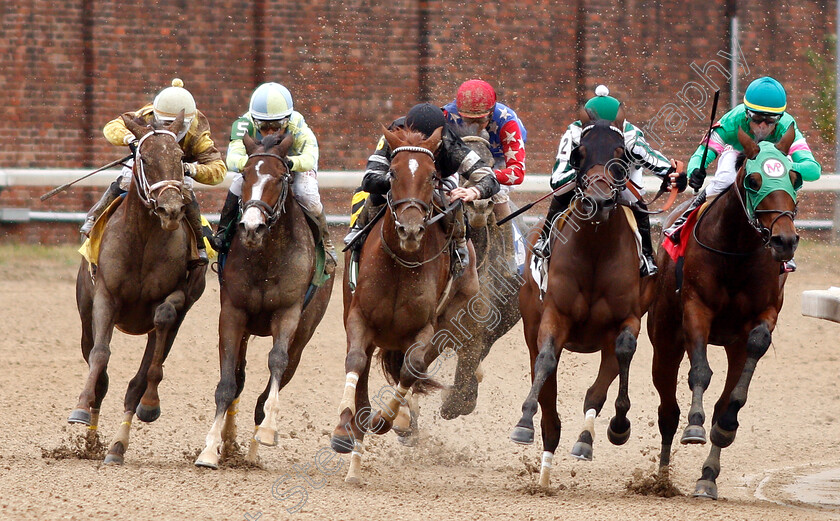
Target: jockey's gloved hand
[
  {"x": 132, "y": 142},
  {"x": 190, "y": 169},
  {"x": 677, "y": 178},
  {"x": 696, "y": 179},
  {"x": 289, "y": 163}
]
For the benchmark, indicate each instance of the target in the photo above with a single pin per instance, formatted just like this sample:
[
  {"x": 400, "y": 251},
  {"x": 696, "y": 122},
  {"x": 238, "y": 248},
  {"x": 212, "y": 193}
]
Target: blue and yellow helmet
[
  {"x": 271, "y": 101},
  {"x": 766, "y": 95}
]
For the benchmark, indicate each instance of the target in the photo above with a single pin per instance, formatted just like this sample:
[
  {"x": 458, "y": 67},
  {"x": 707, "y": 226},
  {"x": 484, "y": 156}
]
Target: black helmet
[{"x": 425, "y": 118}]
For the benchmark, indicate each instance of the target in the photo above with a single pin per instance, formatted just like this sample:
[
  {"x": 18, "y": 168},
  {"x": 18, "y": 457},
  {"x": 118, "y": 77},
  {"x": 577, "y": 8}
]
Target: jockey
[
  {"x": 453, "y": 157},
  {"x": 639, "y": 156},
  {"x": 762, "y": 116},
  {"x": 271, "y": 110},
  {"x": 475, "y": 104},
  {"x": 202, "y": 161}
]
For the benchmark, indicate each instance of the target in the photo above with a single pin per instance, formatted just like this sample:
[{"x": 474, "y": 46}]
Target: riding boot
[
  {"x": 230, "y": 211},
  {"x": 459, "y": 235},
  {"x": 559, "y": 203},
  {"x": 673, "y": 231},
  {"x": 643, "y": 224},
  {"x": 358, "y": 211},
  {"x": 329, "y": 249},
  {"x": 193, "y": 215},
  {"x": 501, "y": 210},
  {"x": 104, "y": 202}
]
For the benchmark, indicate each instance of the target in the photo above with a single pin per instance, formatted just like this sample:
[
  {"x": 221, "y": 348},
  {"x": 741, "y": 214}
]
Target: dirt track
[{"x": 462, "y": 469}]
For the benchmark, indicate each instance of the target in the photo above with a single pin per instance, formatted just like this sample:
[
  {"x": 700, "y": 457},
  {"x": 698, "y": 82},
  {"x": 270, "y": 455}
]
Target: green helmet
[
  {"x": 603, "y": 105},
  {"x": 766, "y": 95},
  {"x": 271, "y": 101}
]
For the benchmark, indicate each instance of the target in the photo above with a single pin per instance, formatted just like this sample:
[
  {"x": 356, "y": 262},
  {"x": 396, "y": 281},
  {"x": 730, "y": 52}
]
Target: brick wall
[{"x": 357, "y": 64}]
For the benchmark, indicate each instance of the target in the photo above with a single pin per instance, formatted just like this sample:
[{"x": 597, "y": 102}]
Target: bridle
[
  {"x": 145, "y": 190},
  {"x": 764, "y": 233},
  {"x": 581, "y": 182},
  {"x": 271, "y": 213},
  {"x": 412, "y": 202}
]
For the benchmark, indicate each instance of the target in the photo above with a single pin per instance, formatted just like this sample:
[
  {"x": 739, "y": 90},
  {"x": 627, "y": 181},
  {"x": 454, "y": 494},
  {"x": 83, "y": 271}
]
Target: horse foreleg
[
  {"x": 696, "y": 324},
  {"x": 625, "y": 346},
  {"x": 549, "y": 425},
  {"x": 726, "y": 425},
  {"x": 356, "y": 364},
  {"x": 231, "y": 329},
  {"x": 168, "y": 317},
  {"x": 594, "y": 400},
  {"x": 103, "y": 316},
  {"x": 462, "y": 398},
  {"x": 553, "y": 331},
  {"x": 667, "y": 355},
  {"x": 283, "y": 327},
  {"x": 360, "y": 423}
]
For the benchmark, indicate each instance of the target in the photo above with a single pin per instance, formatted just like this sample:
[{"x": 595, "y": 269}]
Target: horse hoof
[
  {"x": 341, "y": 444},
  {"x": 407, "y": 440},
  {"x": 582, "y": 451},
  {"x": 147, "y": 414},
  {"x": 353, "y": 480},
  {"x": 208, "y": 461},
  {"x": 617, "y": 438},
  {"x": 522, "y": 435},
  {"x": 114, "y": 459},
  {"x": 706, "y": 489},
  {"x": 378, "y": 424},
  {"x": 720, "y": 437},
  {"x": 694, "y": 434},
  {"x": 79, "y": 416},
  {"x": 266, "y": 436}
]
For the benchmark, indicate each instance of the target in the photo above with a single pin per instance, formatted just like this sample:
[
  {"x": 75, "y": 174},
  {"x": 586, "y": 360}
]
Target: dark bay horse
[
  {"x": 264, "y": 288},
  {"x": 142, "y": 285},
  {"x": 403, "y": 298},
  {"x": 499, "y": 281},
  {"x": 592, "y": 301},
  {"x": 731, "y": 296}
]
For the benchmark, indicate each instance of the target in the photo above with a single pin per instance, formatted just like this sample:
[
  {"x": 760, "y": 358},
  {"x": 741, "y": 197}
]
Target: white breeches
[
  {"x": 725, "y": 174},
  {"x": 304, "y": 188}
]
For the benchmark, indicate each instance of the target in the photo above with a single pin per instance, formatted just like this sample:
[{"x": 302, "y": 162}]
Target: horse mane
[
  {"x": 269, "y": 142},
  {"x": 740, "y": 160},
  {"x": 410, "y": 137}
]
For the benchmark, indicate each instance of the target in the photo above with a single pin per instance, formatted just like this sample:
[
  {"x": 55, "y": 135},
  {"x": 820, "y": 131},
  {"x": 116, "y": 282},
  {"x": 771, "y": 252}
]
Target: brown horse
[
  {"x": 142, "y": 285},
  {"x": 731, "y": 295},
  {"x": 265, "y": 291},
  {"x": 592, "y": 300},
  {"x": 404, "y": 295}
]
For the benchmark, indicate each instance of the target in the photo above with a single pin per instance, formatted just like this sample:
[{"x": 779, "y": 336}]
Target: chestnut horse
[
  {"x": 265, "y": 291},
  {"x": 731, "y": 296},
  {"x": 592, "y": 301},
  {"x": 404, "y": 295},
  {"x": 142, "y": 285}
]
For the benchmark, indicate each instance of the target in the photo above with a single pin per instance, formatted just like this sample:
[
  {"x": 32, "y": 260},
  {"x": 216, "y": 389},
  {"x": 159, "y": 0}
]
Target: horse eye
[{"x": 754, "y": 182}]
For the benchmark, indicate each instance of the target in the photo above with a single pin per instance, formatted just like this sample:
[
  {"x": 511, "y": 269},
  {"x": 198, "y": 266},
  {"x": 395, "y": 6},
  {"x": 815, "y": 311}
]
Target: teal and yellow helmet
[
  {"x": 603, "y": 106},
  {"x": 271, "y": 101},
  {"x": 766, "y": 95}
]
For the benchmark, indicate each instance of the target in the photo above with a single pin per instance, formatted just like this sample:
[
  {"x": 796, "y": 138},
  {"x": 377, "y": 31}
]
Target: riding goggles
[
  {"x": 763, "y": 117},
  {"x": 274, "y": 124}
]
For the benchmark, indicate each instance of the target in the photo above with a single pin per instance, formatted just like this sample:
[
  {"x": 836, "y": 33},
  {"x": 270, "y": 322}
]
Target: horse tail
[{"x": 392, "y": 362}]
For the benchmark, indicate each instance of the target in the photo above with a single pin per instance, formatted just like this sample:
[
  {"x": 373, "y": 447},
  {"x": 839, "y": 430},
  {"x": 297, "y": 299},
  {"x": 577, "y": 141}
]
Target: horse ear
[
  {"x": 286, "y": 143},
  {"x": 434, "y": 140},
  {"x": 176, "y": 125},
  {"x": 787, "y": 140},
  {"x": 391, "y": 138},
  {"x": 136, "y": 126},
  {"x": 250, "y": 144},
  {"x": 619, "y": 117},
  {"x": 750, "y": 147}
]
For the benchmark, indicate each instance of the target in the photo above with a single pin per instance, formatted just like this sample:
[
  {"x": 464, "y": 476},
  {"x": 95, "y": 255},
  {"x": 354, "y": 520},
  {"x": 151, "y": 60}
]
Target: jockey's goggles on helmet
[
  {"x": 763, "y": 117},
  {"x": 274, "y": 124}
]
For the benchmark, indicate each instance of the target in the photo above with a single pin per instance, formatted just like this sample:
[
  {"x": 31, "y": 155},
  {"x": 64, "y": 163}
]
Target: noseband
[
  {"x": 410, "y": 202},
  {"x": 271, "y": 213},
  {"x": 144, "y": 189}
]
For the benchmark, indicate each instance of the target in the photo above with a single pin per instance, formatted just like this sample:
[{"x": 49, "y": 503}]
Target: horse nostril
[
  {"x": 421, "y": 229},
  {"x": 401, "y": 229}
]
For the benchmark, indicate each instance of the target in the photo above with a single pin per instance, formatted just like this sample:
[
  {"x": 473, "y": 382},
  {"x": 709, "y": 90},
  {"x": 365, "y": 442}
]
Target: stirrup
[
  {"x": 90, "y": 220},
  {"x": 462, "y": 261},
  {"x": 648, "y": 267},
  {"x": 352, "y": 234},
  {"x": 202, "y": 260}
]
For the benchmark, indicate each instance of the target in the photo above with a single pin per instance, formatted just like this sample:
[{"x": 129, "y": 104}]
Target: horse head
[
  {"x": 158, "y": 173},
  {"x": 601, "y": 168},
  {"x": 768, "y": 186},
  {"x": 478, "y": 139},
  {"x": 265, "y": 186},
  {"x": 412, "y": 183}
]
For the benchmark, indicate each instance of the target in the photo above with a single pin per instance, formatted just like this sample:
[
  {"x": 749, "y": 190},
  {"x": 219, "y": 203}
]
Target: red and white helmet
[{"x": 475, "y": 99}]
